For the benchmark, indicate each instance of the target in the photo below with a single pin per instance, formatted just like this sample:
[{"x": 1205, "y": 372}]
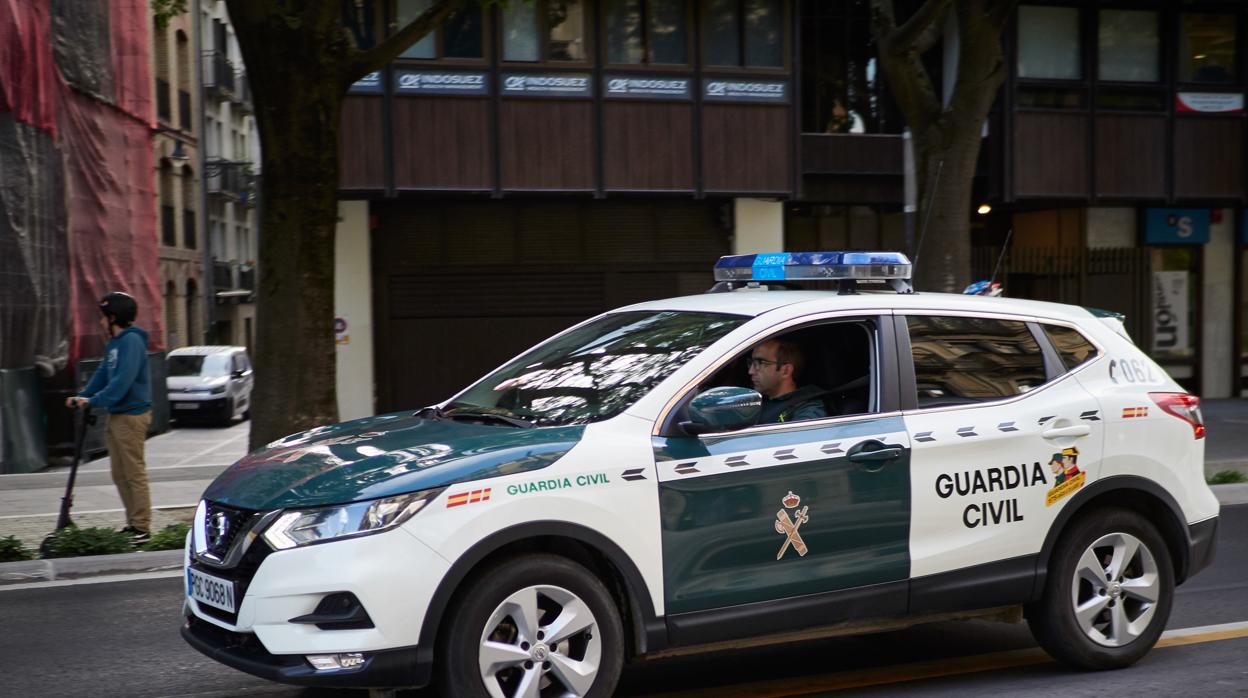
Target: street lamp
[{"x": 179, "y": 152}]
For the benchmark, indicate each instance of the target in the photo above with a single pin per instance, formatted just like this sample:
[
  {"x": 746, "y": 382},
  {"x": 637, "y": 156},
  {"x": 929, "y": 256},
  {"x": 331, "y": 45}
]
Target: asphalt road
[{"x": 121, "y": 639}]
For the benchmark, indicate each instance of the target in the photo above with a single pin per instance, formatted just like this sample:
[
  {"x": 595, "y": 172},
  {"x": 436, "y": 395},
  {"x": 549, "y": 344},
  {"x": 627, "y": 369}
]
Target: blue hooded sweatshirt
[{"x": 121, "y": 383}]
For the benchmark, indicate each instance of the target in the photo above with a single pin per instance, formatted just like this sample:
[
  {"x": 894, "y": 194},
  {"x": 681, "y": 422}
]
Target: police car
[{"x": 613, "y": 493}]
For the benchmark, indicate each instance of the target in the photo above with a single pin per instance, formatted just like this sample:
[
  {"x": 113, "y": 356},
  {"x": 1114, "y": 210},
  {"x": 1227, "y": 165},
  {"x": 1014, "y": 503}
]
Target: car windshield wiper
[{"x": 486, "y": 416}]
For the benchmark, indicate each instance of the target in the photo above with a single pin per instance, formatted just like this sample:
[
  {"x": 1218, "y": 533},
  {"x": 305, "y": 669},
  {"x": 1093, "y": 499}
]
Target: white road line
[
  {"x": 136, "y": 577},
  {"x": 75, "y": 512}
]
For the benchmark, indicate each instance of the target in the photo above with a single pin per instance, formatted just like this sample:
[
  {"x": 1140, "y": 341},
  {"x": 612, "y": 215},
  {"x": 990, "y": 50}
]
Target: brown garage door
[{"x": 462, "y": 287}]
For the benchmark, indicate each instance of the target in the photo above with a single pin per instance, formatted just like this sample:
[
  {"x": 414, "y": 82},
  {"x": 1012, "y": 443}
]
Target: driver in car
[{"x": 775, "y": 367}]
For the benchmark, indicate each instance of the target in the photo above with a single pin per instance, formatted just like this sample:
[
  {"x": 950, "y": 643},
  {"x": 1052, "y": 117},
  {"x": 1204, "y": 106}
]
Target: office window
[
  {"x": 460, "y": 35},
  {"x": 1207, "y": 48},
  {"x": 746, "y": 33},
  {"x": 647, "y": 31},
  {"x": 1048, "y": 43},
  {"x": 557, "y": 26},
  {"x": 842, "y": 82},
  {"x": 1129, "y": 46}
]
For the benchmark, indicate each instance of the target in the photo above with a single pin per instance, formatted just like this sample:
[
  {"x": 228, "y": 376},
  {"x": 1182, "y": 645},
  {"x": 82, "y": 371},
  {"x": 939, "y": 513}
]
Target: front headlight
[
  {"x": 306, "y": 526},
  {"x": 219, "y": 390}
]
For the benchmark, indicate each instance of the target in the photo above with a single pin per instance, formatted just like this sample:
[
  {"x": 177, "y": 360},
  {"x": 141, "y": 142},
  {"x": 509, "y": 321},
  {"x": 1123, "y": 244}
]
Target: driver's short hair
[{"x": 788, "y": 352}]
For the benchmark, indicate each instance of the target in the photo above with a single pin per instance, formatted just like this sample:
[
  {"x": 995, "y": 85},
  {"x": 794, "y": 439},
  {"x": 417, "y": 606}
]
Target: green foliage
[
  {"x": 165, "y": 10},
  {"x": 12, "y": 550},
  {"x": 75, "y": 542},
  {"x": 1227, "y": 477},
  {"x": 171, "y": 537}
]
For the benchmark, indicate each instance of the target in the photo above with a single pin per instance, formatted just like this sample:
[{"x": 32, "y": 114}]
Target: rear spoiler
[{"x": 1114, "y": 320}]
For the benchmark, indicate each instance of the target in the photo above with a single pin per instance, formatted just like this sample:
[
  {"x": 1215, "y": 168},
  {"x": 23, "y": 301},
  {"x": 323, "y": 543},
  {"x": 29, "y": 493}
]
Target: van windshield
[{"x": 211, "y": 365}]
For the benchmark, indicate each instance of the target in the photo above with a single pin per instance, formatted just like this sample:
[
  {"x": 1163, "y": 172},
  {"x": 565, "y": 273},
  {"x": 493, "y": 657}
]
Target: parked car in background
[{"x": 209, "y": 383}]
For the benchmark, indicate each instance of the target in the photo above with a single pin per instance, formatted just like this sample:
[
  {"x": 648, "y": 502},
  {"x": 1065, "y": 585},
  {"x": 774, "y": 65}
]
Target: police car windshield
[
  {"x": 214, "y": 365},
  {"x": 598, "y": 370}
]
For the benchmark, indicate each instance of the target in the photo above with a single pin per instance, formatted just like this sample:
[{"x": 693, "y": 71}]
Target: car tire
[
  {"x": 1107, "y": 594},
  {"x": 227, "y": 413},
  {"x": 551, "y": 588}
]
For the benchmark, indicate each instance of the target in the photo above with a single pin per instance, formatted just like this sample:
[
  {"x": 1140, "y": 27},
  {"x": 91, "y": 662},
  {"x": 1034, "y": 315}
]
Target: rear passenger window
[
  {"x": 1073, "y": 347},
  {"x": 964, "y": 360}
]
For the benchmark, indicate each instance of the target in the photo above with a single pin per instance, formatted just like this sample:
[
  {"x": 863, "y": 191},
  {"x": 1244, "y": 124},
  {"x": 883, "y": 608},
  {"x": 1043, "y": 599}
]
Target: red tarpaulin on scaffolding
[{"x": 77, "y": 190}]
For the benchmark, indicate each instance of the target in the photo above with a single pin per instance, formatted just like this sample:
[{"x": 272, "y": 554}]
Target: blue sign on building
[{"x": 1176, "y": 226}]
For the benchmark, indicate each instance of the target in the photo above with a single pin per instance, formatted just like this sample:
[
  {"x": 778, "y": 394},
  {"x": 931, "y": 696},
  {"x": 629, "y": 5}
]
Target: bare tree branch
[
  {"x": 376, "y": 58},
  {"x": 1000, "y": 11},
  {"x": 924, "y": 26},
  {"x": 908, "y": 78}
]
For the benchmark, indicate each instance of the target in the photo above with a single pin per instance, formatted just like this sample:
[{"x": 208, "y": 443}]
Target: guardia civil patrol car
[{"x": 612, "y": 494}]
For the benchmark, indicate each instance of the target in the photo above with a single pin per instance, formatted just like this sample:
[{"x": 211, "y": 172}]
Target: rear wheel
[
  {"x": 1108, "y": 594},
  {"x": 535, "y": 626}
]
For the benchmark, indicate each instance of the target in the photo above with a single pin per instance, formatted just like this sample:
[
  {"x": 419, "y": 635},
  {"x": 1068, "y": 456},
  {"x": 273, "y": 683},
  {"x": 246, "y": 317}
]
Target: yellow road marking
[{"x": 934, "y": 669}]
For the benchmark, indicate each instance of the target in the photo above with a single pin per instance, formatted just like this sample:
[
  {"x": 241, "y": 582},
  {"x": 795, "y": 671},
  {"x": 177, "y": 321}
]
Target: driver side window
[{"x": 833, "y": 372}]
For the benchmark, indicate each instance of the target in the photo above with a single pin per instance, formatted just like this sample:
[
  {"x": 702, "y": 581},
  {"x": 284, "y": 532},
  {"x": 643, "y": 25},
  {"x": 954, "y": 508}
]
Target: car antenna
[
  {"x": 927, "y": 217},
  {"x": 1001, "y": 257}
]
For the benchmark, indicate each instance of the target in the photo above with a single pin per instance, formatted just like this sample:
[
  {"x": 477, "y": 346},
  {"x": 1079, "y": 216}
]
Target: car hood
[{"x": 383, "y": 456}]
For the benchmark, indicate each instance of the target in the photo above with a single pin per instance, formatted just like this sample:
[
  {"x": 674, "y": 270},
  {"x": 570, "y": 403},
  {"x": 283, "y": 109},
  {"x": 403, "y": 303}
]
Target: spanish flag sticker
[{"x": 471, "y": 497}]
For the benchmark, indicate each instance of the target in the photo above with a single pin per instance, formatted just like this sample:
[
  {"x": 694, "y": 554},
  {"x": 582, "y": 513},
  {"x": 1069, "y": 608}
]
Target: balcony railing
[
  {"x": 218, "y": 75},
  {"x": 168, "y": 227},
  {"x": 242, "y": 91},
  {"x": 222, "y": 276},
  {"x": 228, "y": 178},
  {"x": 163, "y": 107},
  {"x": 247, "y": 279},
  {"x": 185, "y": 118},
  {"x": 188, "y": 229}
]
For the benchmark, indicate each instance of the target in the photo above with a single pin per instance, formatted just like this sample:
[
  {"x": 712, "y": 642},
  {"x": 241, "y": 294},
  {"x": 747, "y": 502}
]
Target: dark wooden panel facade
[
  {"x": 442, "y": 143},
  {"x": 1130, "y": 156},
  {"x": 1208, "y": 157},
  {"x": 647, "y": 146},
  {"x": 361, "y": 146},
  {"x": 844, "y": 153},
  {"x": 746, "y": 148},
  {"x": 1050, "y": 154},
  {"x": 546, "y": 144}
]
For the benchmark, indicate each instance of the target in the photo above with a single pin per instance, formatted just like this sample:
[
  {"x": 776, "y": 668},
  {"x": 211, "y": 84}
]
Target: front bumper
[
  {"x": 1202, "y": 546},
  {"x": 204, "y": 406},
  {"x": 392, "y": 575},
  {"x": 400, "y": 667}
]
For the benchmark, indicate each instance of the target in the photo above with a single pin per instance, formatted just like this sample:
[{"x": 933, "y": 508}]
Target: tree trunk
[
  {"x": 945, "y": 170},
  {"x": 297, "y": 67}
]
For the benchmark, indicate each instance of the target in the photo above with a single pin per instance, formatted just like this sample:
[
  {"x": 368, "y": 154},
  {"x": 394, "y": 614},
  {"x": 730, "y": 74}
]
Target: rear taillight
[{"x": 1185, "y": 407}]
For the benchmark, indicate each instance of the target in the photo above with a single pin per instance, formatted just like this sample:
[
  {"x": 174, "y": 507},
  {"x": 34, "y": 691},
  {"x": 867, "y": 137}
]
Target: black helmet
[{"x": 121, "y": 307}]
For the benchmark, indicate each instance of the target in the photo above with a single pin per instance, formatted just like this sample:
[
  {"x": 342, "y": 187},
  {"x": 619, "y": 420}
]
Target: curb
[{"x": 89, "y": 566}]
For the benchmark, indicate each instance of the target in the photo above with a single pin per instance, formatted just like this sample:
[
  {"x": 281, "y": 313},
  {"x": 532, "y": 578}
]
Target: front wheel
[
  {"x": 535, "y": 626},
  {"x": 1108, "y": 594}
]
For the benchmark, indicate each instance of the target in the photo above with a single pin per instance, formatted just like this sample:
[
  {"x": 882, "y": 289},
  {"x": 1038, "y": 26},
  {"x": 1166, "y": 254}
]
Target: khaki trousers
[{"x": 127, "y": 436}]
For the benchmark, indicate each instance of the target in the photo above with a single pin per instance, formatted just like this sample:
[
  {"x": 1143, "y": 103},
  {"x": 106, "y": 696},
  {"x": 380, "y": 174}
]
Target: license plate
[
  {"x": 210, "y": 590},
  {"x": 186, "y": 405}
]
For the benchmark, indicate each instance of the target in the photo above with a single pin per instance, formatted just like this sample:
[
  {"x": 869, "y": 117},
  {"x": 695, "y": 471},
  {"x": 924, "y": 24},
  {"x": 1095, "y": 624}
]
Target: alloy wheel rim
[
  {"x": 1115, "y": 589},
  {"x": 540, "y": 642}
]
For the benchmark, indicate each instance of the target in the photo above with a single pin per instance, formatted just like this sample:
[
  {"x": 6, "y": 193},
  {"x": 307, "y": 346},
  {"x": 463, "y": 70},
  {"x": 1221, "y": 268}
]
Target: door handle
[
  {"x": 881, "y": 456},
  {"x": 1059, "y": 432}
]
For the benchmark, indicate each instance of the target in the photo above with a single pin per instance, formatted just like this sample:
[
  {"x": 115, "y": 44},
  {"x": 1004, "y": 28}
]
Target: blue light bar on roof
[{"x": 813, "y": 266}]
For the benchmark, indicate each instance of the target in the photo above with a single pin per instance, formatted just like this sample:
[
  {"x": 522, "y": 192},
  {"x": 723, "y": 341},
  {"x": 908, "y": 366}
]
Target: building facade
[
  {"x": 526, "y": 167},
  {"x": 230, "y": 175},
  {"x": 175, "y": 144}
]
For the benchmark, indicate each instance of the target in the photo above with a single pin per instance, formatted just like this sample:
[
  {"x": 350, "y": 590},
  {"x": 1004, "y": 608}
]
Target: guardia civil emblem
[{"x": 789, "y": 525}]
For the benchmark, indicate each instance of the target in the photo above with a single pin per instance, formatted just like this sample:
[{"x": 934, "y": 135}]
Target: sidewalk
[
  {"x": 1227, "y": 440},
  {"x": 180, "y": 465}
]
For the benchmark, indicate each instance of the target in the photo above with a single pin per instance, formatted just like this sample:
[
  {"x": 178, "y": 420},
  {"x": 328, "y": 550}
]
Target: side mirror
[
  {"x": 237, "y": 374},
  {"x": 723, "y": 409}
]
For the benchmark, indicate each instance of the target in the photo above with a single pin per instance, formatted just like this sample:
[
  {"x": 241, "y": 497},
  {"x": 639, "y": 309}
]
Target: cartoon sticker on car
[{"x": 1067, "y": 477}]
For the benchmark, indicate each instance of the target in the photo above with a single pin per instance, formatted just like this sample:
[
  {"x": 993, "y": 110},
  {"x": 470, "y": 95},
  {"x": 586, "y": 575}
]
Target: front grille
[
  {"x": 241, "y": 574},
  {"x": 234, "y": 521}
]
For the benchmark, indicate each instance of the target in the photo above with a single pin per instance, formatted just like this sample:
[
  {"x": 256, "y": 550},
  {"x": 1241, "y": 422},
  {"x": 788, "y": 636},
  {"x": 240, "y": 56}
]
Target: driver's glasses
[{"x": 756, "y": 363}]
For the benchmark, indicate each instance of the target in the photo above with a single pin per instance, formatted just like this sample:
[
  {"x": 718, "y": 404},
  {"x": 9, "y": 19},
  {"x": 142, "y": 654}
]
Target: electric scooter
[{"x": 83, "y": 419}]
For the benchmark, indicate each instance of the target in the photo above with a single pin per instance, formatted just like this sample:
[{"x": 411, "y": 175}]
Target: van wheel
[
  {"x": 1108, "y": 592},
  {"x": 531, "y": 626},
  {"x": 227, "y": 413}
]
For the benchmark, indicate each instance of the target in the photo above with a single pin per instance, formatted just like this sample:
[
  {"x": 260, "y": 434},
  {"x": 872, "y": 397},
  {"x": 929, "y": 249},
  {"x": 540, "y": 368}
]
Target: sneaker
[{"x": 139, "y": 537}]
